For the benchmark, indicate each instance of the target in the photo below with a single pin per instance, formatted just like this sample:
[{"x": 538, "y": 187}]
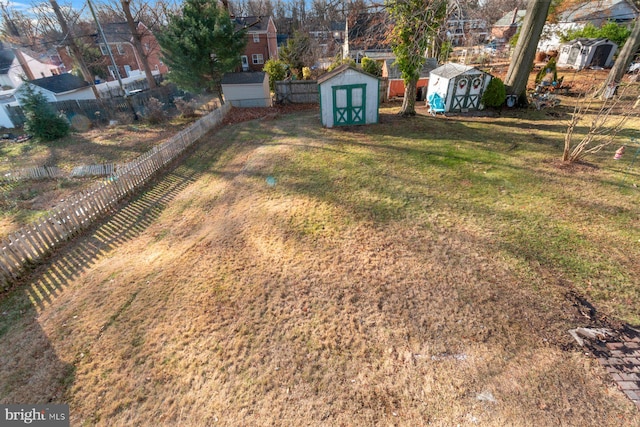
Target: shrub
[
  {"x": 277, "y": 71},
  {"x": 339, "y": 61},
  {"x": 495, "y": 94},
  {"x": 548, "y": 70},
  {"x": 371, "y": 66},
  {"x": 186, "y": 108},
  {"x": 42, "y": 121},
  {"x": 154, "y": 111},
  {"x": 306, "y": 73}
]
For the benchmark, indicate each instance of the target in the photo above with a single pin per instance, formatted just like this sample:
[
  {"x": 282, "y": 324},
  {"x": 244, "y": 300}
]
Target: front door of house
[
  {"x": 349, "y": 104},
  {"x": 245, "y": 62}
]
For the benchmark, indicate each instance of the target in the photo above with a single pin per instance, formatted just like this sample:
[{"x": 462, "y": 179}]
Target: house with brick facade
[
  {"x": 262, "y": 43},
  {"x": 120, "y": 42}
]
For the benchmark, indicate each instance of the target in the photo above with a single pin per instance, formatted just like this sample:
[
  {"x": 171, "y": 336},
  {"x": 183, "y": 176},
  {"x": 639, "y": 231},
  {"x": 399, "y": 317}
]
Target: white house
[
  {"x": 582, "y": 53},
  {"x": 247, "y": 89},
  {"x": 62, "y": 87},
  {"x": 460, "y": 87},
  {"x": 17, "y": 65},
  {"x": 577, "y": 16},
  {"x": 348, "y": 96},
  {"x": 7, "y": 98}
]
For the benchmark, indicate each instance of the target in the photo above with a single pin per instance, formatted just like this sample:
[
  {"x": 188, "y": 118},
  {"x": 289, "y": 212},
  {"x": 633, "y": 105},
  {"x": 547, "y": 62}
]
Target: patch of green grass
[{"x": 500, "y": 177}]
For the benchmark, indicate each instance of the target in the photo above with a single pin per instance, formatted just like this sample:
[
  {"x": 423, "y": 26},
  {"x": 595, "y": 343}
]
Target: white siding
[
  {"x": 248, "y": 95},
  {"x": 38, "y": 69},
  {"x": 79, "y": 94},
  {"x": 4, "y": 118},
  {"x": 349, "y": 77}
]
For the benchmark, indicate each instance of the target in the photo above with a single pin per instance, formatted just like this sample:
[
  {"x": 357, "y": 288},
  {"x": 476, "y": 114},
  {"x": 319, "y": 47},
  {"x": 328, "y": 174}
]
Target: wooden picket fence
[
  {"x": 33, "y": 242},
  {"x": 37, "y": 172}
]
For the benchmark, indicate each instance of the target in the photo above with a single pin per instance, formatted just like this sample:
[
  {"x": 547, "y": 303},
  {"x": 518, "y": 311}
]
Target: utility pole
[
  {"x": 75, "y": 50},
  {"x": 113, "y": 61}
]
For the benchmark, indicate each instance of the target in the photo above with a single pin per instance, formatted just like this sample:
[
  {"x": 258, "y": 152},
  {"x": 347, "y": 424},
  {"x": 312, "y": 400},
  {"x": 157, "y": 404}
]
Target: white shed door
[{"x": 349, "y": 104}]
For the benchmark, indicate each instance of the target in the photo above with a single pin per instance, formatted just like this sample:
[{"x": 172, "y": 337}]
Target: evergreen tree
[
  {"x": 42, "y": 121},
  {"x": 277, "y": 71},
  {"x": 200, "y": 45}
]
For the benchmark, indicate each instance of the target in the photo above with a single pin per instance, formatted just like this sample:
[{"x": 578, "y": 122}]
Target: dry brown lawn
[{"x": 226, "y": 295}]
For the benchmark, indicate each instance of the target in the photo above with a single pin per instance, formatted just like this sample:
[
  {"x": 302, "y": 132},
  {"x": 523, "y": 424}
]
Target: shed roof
[
  {"x": 394, "y": 72},
  {"x": 451, "y": 70},
  {"x": 244, "y": 78},
  {"x": 60, "y": 83},
  {"x": 341, "y": 69},
  {"x": 588, "y": 42}
]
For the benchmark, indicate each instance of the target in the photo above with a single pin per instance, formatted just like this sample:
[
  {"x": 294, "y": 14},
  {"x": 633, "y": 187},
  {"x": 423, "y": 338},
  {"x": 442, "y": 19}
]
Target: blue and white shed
[
  {"x": 459, "y": 87},
  {"x": 348, "y": 96}
]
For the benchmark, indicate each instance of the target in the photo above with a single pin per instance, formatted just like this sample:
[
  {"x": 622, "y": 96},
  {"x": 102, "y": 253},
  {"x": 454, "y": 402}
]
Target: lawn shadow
[{"x": 30, "y": 370}]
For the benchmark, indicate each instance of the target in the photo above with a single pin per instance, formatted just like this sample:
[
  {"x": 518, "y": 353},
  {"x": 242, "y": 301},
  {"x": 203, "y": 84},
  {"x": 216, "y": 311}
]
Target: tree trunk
[
  {"x": 409, "y": 101},
  {"x": 525, "y": 51},
  {"x": 137, "y": 44},
  {"x": 620, "y": 66},
  {"x": 75, "y": 50}
]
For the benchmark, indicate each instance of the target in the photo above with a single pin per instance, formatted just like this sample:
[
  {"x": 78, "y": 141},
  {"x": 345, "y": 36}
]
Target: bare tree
[
  {"x": 525, "y": 51},
  {"x": 70, "y": 41},
  {"x": 620, "y": 66},
  {"x": 416, "y": 24},
  {"x": 602, "y": 126},
  {"x": 137, "y": 42}
]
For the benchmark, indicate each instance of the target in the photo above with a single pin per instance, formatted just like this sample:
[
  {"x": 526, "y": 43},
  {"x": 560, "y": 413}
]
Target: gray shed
[
  {"x": 247, "y": 89},
  {"x": 457, "y": 87},
  {"x": 581, "y": 53},
  {"x": 348, "y": 96}
]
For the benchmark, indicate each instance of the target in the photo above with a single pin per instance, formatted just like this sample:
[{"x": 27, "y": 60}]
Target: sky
[{"x": 25, "y": 5}]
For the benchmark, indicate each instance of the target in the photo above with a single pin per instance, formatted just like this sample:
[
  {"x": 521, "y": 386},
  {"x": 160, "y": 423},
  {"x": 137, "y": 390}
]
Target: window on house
[
  {"x": 120, "y": 49},
  {"x": 103, "y": 49},
  {"x": 256, "y": 38},
  {"x": 257, "y": 58},
  {"x": 112, "y": 71},
  {"x": 146, "y": 47}
]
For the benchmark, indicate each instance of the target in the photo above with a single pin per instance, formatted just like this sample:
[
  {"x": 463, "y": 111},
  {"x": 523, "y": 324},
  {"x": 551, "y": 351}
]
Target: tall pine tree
[{"x": 200, "y": 45}]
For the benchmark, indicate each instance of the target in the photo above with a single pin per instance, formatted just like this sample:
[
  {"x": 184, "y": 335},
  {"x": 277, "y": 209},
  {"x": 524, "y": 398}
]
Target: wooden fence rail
[{"x": 30, "y": 244}]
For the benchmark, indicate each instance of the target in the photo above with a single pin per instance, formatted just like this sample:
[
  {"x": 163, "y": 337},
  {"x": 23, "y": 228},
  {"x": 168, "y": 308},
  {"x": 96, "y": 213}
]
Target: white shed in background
[
  {"x": 582, "y": 53},
  {"x": 458, "y": 87},
  {"x": 348, "y": 96},
  {"x": 247, "y": 89}
]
